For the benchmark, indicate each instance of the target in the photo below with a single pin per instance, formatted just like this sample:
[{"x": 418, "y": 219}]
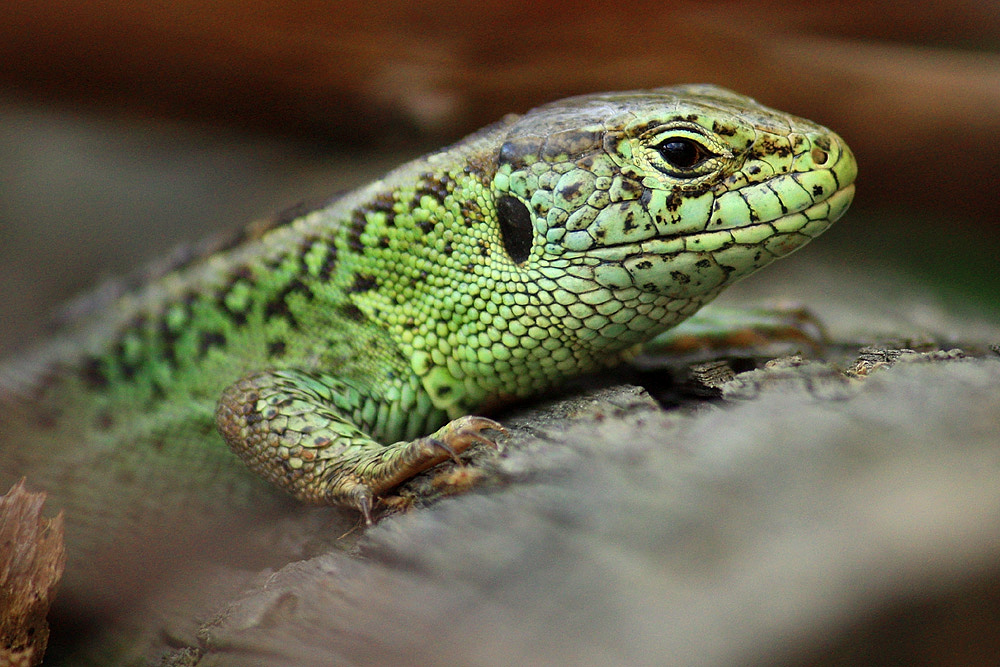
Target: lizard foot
[
  {"x": 403, "y": 460},
  {"x": 295, "y": 430},
  {"x": 396, "y": 463}
]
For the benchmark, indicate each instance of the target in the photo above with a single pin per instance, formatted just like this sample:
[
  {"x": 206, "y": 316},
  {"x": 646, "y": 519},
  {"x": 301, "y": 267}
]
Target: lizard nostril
[{"x": 819, "y": 156}]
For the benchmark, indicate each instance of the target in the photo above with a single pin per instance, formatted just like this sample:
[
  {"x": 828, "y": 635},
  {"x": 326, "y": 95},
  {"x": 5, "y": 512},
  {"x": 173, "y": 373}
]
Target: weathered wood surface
[
  {"x": 798, "y": 526},
  {"x": 844, "y": 510}
]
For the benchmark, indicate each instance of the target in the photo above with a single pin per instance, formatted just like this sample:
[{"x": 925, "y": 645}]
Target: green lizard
[{"x": 341, "y": 352}]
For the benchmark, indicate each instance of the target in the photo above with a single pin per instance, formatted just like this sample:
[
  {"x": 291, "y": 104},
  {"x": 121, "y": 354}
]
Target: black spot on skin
[
  {"x": 723, "y": 130},
  {"x": 276, "y": 348},
  {"x": 426, "y": 226},
  {"x": 306, "y": 245},
  {"x": 351, "y": 312},
  {"x": 92, "y": 374},
  {"x": 238, "y": 316},
  {"x": 380, "y": 203},
  {"x": 128, "y": 370},
  {"x": 680, "y": 277},
  {"x": 383, "y": 202},
  {"x": 209, "y": 340},
  {"x": 703, "y": 263},
  {"x": 817, "y": 190},
  {"x": 383, "y": 242},
  {"x": 159, "y": 393},
  {"x": 644, "y": 264},
  {"x": 628, "y": 224},
  {"x": 168, "y": 343},
  {"x": 240, "y": 273},
  {"x": 674, "y": 202},
  {"x": 753, "y": 170},
  {"x": 571, "y": 190},
  {"x": 433, "y": 187},
  {"x": 472, "y": 214},
  {"x": 448, "y": 249},
  {"x": 631, "y": 187},
  {"x": 516, "y": 228},
  {"x": 481, "y": 165},
  {"x": 362, "y": 283},
  {"x": 277, "y": 306},
  {"x": 329, "y": 264},
  {"x": 355, "y": 228}
]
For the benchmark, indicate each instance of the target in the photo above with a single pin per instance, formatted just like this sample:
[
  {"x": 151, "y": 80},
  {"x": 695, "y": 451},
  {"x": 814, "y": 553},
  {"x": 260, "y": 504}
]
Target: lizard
[{"x": 341, "y": 351}]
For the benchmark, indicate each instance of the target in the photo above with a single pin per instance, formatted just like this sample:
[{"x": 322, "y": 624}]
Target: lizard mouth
[
  {"x": 778, "y": 236},
  {"x": 697, "y": 265}
]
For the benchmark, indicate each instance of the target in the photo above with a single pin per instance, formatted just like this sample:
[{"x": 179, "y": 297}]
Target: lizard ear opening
[{"x": 515, "y": 227}]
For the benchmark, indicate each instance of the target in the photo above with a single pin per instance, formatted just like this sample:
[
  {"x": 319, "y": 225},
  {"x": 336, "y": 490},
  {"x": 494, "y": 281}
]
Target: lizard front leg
[{"x": 312, "y": 435}]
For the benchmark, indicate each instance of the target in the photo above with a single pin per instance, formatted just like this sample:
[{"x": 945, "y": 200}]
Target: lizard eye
[{"x": 682, "y": 153}]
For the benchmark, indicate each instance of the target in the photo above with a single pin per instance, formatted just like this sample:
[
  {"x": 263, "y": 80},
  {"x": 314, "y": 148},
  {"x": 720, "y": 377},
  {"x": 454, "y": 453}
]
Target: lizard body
[{"x": 341, "y": 351}]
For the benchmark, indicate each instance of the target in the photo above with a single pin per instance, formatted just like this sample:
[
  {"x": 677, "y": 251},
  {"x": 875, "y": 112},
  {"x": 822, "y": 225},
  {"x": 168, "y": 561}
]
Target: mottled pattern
[{"x": 328, "y": 345}]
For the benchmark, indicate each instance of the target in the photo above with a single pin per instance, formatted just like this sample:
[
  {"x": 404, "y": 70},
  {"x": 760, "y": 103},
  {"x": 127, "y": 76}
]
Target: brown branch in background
[
  {"x": 32, "y": 559},
  {"x": 915, "y": 90}
]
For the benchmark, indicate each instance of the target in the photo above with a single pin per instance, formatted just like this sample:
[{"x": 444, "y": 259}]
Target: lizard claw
[
  {"x": 462, "y": 433},
  {"x": 434, "y": 442},
  {"x": 394, "y": 464},
  {"x": 362, "y": 500}
]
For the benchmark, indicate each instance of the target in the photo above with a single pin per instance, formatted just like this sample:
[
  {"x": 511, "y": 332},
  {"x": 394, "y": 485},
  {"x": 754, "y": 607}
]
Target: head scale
[{"x": 678, "y": 191}]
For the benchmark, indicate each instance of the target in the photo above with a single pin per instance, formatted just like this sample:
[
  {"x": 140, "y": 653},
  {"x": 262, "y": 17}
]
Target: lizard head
[
  {"x": 589, "y": 225},
  {"x": 675, "y": 192}
]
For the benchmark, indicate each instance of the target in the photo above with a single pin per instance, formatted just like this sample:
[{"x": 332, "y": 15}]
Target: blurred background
[{"x": 127, "y": 128}]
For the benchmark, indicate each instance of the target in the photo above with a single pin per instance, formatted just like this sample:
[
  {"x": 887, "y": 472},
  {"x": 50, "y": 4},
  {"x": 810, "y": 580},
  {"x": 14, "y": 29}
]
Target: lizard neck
[{"x": 430, "y": 264}]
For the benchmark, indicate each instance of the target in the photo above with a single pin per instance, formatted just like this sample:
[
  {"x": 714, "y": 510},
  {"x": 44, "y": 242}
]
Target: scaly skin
[{"x": 328, "y": 349}]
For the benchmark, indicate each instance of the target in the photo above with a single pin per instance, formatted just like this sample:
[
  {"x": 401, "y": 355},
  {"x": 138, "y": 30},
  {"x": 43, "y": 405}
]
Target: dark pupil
[{"x": 681, "y": 153}]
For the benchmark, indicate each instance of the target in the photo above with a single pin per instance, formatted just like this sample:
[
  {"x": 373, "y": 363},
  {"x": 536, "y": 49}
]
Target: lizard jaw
[
  {"x": 697, "y": 264},
  {"x": 808, "y": 222}
]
